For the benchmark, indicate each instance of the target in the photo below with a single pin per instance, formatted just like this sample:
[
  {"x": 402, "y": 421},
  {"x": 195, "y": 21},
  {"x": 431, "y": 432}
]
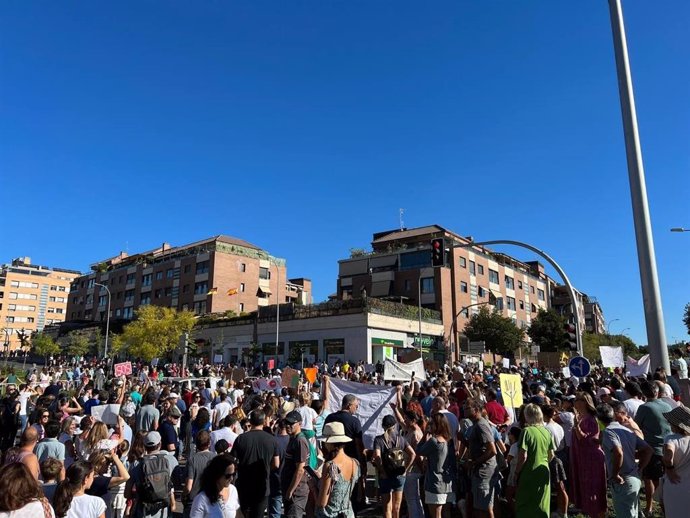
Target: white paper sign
[
  {"x": 639, "y": 367},
  {"x": 374, "y": 404},
  {"x": 506, "y": 363},
  {"x": 611, "y": 356},
  {"x": 107, "y": 414},
  {"x": 566, "y": 372},
  {"x": 396, "y": 371}
]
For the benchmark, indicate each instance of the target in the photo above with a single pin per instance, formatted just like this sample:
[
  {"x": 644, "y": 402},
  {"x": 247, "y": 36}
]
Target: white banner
[
  {"x": 261, "y": 384},
  {"x": 106, "y": 413},
  {"x": 612, "y": 356},
  {"x": 396, "y": 371},
  {"x": 639, "y": 367},
  {"x": 374, "y": 404}
]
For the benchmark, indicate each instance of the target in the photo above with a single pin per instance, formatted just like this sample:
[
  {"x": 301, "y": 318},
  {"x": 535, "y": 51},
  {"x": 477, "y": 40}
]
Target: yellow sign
[{"x": 511, "y": 390}]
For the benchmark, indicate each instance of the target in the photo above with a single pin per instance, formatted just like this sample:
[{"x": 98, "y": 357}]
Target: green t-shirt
[{"x": 653, "y": 424}]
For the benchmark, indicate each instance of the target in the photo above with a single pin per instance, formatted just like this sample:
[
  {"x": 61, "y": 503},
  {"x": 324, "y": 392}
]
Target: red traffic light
[{"x": 437, "y": 243}]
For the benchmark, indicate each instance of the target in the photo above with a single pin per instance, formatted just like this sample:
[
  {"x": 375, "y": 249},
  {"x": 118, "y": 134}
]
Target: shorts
[
  {"x": 391, "y": 484},
  {"x": 655, "y": 468},
  {"x": 557, "y": 472},
  {"x": 438, "y": 498},
  {"x": 482, "y": 492}
]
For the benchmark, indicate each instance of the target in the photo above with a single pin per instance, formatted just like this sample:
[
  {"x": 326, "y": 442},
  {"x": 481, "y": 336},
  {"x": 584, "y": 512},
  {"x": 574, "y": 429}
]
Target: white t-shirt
[
  {"x": 234, "y": 397},
  {"x": 86, "y": 506},
  {"x": 31, "y": 510},
  {"x": 222, "y": 410},
  {"x": 222, "y": 433},
  {"x": 23, "y": 398},
  {"x": 309, "y": 415},
  {"x": 631, "y": 405},
  {"x": 557, "y": 433},
  {"x": 567, "y": 423},
  {"x": 202, "y": 508}
]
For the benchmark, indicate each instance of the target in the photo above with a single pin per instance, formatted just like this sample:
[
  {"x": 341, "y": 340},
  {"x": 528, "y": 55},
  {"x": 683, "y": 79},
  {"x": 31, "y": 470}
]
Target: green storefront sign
[{"x": 387, "y": 342}]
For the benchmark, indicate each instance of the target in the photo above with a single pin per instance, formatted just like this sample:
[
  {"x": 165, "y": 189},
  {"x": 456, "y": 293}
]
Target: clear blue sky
[{"x": 303, "y": 126}]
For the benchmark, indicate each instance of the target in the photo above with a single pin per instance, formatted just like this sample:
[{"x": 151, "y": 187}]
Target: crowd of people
[{"x": 213, "y": 445}]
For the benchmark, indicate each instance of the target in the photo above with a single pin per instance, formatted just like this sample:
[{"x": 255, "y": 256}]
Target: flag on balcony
[
  {"x": 212, "y": 291},
  {"x": 232, "y": 291}
]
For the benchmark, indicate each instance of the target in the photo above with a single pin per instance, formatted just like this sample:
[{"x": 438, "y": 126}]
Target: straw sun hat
[
  {"x": 680, "y": 417},
  {"x": 334, "y": 433}
]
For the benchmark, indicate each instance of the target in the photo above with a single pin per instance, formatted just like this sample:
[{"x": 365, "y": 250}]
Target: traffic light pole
[{"x": 559, "y": 270}]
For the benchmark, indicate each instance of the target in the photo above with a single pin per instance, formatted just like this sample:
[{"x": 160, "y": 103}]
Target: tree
[
  {"x": 591, "y": 343},
  {"x": 500, "y": 333},
  {"x": 686, "y": 317},
  {"x": 44, "y": 345},
  {"x": 77, "y": 344},
  {"x": 155, "y": 332},
  {"x": 547, "y": 330}
]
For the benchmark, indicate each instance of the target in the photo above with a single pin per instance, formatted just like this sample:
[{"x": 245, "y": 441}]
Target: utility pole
[{"x": 651, "y": 296}]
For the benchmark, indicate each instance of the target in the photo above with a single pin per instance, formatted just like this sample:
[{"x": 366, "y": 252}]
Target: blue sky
[{"x": 303, "y": 126}]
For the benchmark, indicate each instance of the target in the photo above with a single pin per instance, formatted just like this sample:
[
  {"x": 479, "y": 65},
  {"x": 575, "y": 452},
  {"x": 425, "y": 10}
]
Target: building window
[
  {"x": 59, "y": 311},
  {"x": 242, "y": 287},
  {"x": 427, "y": 285},
  {"x": 510, "y": 283},
  {"x": 159, "y": 275},
  {"x": 145, "y": 299},
  {"x": 241, "y": 307},
  {"x": 158, "y": 294},
  {"x": 51, "y": 310},
  {"x": 532, "y": 288},
  {"x": 119, "y": 295},
  {"x": 540, "y": 295},
  {"x": 146, "y": 280},
  {"x": 168, "y": 292},
  {"x": 185, "y": 307},
  {"x": 89, "y": 299},
  {"x": 202, "y": 267},
  {"x": 463, "y": 286},
  {"x": 131, "y": 277},
  {"x": 101, "y": 300},
  {"x": 533, "y": 309},
  {"x": 127, "y": 312},
  {"x": 243, "y": 267},
  {"x": 53, "y": 288},
  {"x": 522, "y": 304},
  {"x": 129, "y": 295},
  {"x": 463, "y": 262},
  {"x": 24, "y": 284},
  {"x": 493, "y": 276},
  {"x": 519, "y": 285},
  {"x": 118, "y": 312},
  {"x": 185, "y": 288},
  {"x": 510, "y": 303},
  {"x": 264, "y": 273},
  {"x": 480, "y": 269},
  {"x": 51, "y": 299},
  {"x": 169, "y": 274},
  {"x": 200, "y": 307},
  {"x": 408, "y": 284},
  {"x": 201, "y": 288},
  {"x": 473, "y": 268},
  {"x": 187, "y": 268}
]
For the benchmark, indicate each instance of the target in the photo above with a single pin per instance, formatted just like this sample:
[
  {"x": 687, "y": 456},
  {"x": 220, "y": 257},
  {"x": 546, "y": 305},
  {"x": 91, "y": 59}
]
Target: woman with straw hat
[
  {"x": 587, "y": 461},
  {"x": 676, "y": 459},
  {"x": 339, "y": 474}
]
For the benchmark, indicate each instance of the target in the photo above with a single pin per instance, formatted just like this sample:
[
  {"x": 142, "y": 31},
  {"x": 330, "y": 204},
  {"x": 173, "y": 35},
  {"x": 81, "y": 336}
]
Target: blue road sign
[{"x": 579, "y": 366}]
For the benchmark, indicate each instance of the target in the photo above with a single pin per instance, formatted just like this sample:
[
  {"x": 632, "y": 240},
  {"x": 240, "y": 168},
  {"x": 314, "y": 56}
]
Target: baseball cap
[
  {"x": 174, "y": 412},
  {"x": 152, "y": 439},
  {"x": 603, "y": 391},
  {"x": 173, "y": 395},
  {"x": 293, "y": 417}
]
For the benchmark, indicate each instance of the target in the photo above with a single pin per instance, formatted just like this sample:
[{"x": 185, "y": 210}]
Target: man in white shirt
[
  {"x": 635, "y": 400},
  {"x": 554, "y": 428},
  {"x": 224, "y": 432},
  {"x": 222, "y": 408}
]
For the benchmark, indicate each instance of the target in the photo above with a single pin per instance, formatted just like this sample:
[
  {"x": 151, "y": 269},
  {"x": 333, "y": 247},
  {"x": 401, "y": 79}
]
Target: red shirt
[{"x": 496, "y": 412}]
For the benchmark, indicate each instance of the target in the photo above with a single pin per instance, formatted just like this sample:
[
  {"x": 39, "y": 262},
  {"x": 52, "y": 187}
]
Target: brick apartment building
[
  {"x": 31, "y": 297},
  {"x": 215, "y": 275},
  {"x": 401, "y": 260}
]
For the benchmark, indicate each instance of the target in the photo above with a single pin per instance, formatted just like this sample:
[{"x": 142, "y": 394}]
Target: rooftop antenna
[{"x": 402, "y": 223}]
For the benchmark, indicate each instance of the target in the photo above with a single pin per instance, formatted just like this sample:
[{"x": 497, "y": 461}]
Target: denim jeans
[
  {"x": 413, "y": 499},
  {"x": 275, "y": 506},
  {"x": 25, "y": 420},
  {"x": 626, "y": 497}
]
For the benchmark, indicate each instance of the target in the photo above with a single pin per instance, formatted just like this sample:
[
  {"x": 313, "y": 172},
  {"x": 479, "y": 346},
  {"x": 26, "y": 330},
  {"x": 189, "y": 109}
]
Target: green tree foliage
[
  {"x": 500, "y": 333},
  {"x": 155, "y": 332},
  {"x": 686, "y": 317},
  {"x": 44, "y": 345},
  {"x": 77, "y": 344},
  {"x": 591, "y": 343},
  {"x": 547, "y": 330}
]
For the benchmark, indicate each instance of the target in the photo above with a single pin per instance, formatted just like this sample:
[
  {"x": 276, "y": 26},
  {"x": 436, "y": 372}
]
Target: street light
[
  {"x": 608, "y": 327},
  {"x": 680, "y": 229},
  {"x": 107, "y": 321}
]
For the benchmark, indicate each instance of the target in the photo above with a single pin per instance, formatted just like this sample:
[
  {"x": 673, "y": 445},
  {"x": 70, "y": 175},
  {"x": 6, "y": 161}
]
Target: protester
[
  {"x": 676, "y": 459},
  {"x": 536, "y": 448},
  {"x": 339, "y": 475},
  {"x": 217, "y": 497},
  {"x": 50, "y": 447},
  {"x": 439, "y": 479},
  {"x": 587, "y": 468},
  {"x": 20, "y": 494},
  {"x": 24, "y": 453},
  {"x": 293, "y": 478},
  {"x": 195, "y": 467},
  {"x": 71, "y": 500},
  {"x": 481, "y": 466}
]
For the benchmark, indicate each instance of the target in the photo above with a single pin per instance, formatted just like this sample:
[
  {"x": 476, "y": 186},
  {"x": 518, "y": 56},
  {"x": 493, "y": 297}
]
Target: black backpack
[
  {"x": 393, "y": 459},
  {"x": 156, "y": 483}
]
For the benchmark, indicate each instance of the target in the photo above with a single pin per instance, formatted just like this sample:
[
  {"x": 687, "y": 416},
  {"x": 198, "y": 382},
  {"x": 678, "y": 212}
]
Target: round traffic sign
[{"x": 579, "y": 366}]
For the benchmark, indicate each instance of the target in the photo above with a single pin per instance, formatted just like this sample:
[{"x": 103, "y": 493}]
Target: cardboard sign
[
  {"x": 290, "y": 378},
  {"x": 217, "y": 358},
  {"x": 511, "y": 390},
  {"x": 107, "y": 414},
  {"x": 123, "y": 369},
  {"x": 238, "y": 374},
  {"x": 271, "y": 364}
]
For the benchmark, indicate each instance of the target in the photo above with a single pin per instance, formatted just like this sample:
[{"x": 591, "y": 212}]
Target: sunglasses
[{"x": 45, "y": 416}]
